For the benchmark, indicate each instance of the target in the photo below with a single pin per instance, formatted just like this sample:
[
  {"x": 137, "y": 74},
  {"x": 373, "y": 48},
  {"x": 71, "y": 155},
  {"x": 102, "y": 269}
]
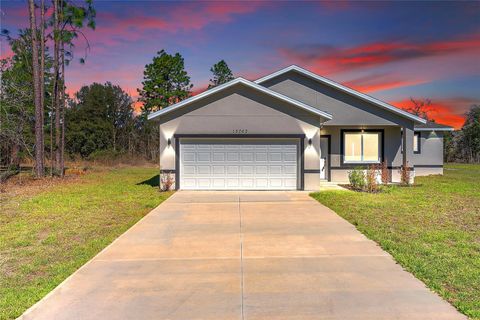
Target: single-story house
[{"x": 291, "y": 129}]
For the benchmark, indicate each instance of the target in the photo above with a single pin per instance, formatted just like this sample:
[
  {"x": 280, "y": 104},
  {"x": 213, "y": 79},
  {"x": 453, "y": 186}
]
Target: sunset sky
[{"x": 392, "y": 51}]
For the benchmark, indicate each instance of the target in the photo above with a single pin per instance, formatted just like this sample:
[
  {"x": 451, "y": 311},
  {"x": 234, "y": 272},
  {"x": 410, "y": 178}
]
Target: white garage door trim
[{"x": 239, "y": 163}]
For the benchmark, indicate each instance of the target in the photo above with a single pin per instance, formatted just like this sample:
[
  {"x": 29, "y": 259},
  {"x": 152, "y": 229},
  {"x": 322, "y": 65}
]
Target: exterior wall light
[
  {"x": 169, "y": 142},
  {"x": 310, "y": 142}
]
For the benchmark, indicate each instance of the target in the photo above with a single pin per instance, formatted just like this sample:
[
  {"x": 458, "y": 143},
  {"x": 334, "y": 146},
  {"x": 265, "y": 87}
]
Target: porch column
[
  {"x": 320, "y": 150},
  {"x": 159, "y": 157}
]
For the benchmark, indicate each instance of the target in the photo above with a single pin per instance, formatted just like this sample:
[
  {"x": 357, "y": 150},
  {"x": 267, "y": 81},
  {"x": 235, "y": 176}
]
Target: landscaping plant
[{"x": 357, "y": 179}]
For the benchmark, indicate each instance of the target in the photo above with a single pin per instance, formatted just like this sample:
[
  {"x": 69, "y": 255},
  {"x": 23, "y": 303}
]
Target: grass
[
  {"x": 432, "y": 229},
  {"x": 47, "y": 235}
]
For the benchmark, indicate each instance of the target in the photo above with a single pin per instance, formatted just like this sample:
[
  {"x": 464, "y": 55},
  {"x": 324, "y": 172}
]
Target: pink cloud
[
  {"x": 377, "y": 82},
  {"x": 327, "y": 59}
]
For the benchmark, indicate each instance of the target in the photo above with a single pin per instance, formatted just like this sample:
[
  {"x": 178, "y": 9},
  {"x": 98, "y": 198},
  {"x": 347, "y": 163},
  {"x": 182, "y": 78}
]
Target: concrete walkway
[{"x": 242, "y": 255}]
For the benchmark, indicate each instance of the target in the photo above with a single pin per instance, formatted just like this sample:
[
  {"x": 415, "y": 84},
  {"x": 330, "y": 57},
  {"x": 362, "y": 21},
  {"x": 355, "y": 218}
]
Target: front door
[{"x": 324, "y": 158}]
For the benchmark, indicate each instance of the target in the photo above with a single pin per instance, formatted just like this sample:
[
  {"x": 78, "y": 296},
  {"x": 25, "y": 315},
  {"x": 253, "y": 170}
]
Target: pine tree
[{"x": 221, "y": 74}]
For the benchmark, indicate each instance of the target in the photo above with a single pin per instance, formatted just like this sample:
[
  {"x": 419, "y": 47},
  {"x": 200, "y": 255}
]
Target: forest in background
[{"x": 41, "y": 125}]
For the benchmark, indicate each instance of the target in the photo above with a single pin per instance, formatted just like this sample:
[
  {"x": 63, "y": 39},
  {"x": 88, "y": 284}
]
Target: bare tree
[
  {"x": 421, "y": 108},
  {"x": 56, "y": 86},
  {"x": 42, "y": 70},
  {"x": 39, "y": 165}
]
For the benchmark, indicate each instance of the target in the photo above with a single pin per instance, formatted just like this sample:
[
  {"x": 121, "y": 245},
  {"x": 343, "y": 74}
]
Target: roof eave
[{"x": 435, "y": 129}]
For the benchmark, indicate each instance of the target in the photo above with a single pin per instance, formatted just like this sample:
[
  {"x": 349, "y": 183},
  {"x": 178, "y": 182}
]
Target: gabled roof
[
  {"x": 343, "y": 88},
  {"x": 249, "y": 84},
  {"x": 432, "y": 126}
]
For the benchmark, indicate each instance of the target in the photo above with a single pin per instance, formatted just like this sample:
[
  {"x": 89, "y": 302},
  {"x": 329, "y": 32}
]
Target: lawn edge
[{"x": 35, "y": 305}]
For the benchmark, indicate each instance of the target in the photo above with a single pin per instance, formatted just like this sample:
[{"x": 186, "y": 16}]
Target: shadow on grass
[{"x": 152, "y": 182}]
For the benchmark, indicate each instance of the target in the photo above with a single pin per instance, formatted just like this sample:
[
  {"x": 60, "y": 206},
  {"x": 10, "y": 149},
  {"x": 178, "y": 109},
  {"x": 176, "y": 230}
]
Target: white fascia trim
[
  {"x": 247, "y": 83},
  {"x": 342, "y": 88},
  {"x": 434, "y": 129}
]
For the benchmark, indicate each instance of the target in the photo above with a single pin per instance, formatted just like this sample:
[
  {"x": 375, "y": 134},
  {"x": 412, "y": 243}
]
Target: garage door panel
[
  {"x": 203, "y": 182},
  {"x": 246, "y": 156},
  {"x": 219, "y": 183},
  {"x": 232, "y": 170},
  {"x": 292, "y": 183},
  {"x": 203, "y": 170},
  {"x": 188, "y": 157},
  {"x": 233, "y": 183},
  {"x": 219, "y": 156},
  {"x": 188, "y": 170},
  {"x": 249, "y": 170},
  {"x": 289, "y": 169},
  {"x": 275, "y": 157},
  {"x": 261, "y": 156},
  {"x": 238, "y": 164},
  {"x": 261, "y": 170},
  {"x": 274, "y": 170},
  {"x": 232, "y": 156},
  {"x": 218, "y": 170},
  {"x": 290, "y": 156}
]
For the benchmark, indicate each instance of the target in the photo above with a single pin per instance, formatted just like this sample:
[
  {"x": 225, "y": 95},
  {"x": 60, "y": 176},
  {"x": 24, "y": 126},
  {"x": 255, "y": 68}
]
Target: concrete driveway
[{"x": 242, "y": 255}]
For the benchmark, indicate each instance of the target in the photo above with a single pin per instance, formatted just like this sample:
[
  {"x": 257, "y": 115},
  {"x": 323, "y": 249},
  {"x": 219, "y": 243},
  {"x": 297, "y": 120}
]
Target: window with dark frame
[
  {"x": 362, "y": 146},
  {"x": 416, "y": 142}
]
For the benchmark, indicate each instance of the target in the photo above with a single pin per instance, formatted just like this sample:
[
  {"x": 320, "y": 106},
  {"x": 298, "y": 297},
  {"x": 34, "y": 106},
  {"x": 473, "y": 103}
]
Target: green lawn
[
  {"x": 47, "y": 235},
  {"x": 432, "y": 229}
]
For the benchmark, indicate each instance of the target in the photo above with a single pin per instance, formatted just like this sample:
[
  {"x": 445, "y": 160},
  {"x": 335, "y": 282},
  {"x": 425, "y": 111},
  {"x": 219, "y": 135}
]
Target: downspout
[
  {"x": 159, "y": 157},
  {"x": 404, "y": 148}
]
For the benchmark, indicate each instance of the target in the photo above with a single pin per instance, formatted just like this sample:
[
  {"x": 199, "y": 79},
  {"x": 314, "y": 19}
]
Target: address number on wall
[{"x": 240, "y": 131}]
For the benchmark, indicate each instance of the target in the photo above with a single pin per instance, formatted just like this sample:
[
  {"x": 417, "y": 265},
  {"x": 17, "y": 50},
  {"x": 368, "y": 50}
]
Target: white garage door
[{"x": 238, "y": 164}]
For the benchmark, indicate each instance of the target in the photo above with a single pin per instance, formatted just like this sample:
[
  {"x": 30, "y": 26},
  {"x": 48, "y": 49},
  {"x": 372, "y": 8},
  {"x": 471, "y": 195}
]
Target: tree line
[
  {"x": 33, "y": 99},
  {"x": 99, "y": 119}
]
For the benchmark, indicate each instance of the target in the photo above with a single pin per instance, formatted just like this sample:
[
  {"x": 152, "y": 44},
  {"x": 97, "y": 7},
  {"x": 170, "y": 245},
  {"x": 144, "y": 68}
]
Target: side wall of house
[{"x": 430, "y": 159}]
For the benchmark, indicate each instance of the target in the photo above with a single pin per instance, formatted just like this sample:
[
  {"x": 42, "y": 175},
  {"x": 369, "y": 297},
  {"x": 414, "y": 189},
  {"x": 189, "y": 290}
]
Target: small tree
[
  {"x": 421, "y": 108},
  {"x": 221, "y": 74}
]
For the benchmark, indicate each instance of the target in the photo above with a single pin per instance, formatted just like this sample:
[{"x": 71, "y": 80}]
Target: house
[{"x": 291, "y": 129}]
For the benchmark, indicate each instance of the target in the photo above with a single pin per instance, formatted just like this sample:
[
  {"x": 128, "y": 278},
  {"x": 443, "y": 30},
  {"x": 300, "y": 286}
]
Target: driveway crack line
[{"x": 241, "y": 259}]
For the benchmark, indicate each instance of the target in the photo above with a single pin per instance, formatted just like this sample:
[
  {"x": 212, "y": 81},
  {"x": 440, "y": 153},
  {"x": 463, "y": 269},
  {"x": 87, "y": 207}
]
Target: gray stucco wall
[
  {"x": 431, "y": 149},
  {"x": 242, "y": 108},
  {"x": 346, "y": 109}
]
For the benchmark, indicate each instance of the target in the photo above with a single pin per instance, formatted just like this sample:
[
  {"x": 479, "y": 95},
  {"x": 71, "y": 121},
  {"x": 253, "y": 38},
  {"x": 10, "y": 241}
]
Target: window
[
  {"x": 361, "y": 147},
  {"x": 416, "y": 142}
]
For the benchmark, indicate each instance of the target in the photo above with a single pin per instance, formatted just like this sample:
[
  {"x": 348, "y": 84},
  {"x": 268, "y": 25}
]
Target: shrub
[
  {"x": 405, "y": 175},
  {"x": 385, "y": 173},
  {"x": 371, "y": 183},
  {"x": 166, "y": 181},
  {"x": 357, "y": 179}
]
